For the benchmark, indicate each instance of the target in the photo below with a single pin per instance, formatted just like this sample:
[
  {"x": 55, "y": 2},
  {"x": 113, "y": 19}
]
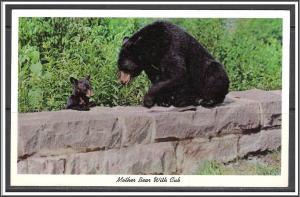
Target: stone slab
[
  {"x": 192, "y": 153},
  {"x": 261, "y": 141},
  {"x": 158, "y": 158},
  {"x": 270, "y": 104},
  {"x": 81, "y": 131},
  {"x": 138, "y": 140}
]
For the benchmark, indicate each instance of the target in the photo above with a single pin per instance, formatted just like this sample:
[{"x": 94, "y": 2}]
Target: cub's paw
[
  {"x": 84, "y": 108},
  {"x": 92, "y": 104},
  {"x": 148, "y": 101}
]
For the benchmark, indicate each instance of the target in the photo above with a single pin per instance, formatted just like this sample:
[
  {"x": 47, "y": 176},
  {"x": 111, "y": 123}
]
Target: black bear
[
  {"x": 82, "y": 91},
  {"x": 181, "y": 70}
]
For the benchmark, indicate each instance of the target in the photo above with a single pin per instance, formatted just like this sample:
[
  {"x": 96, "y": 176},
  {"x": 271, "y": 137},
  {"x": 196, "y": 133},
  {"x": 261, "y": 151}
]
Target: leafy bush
[
  {"x": 51, "y": 50},
  {"x": 253, "y": 54}
]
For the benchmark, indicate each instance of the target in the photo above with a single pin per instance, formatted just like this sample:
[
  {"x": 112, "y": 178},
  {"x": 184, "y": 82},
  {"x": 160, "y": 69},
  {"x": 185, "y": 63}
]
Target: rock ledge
[{"x": 136, "y": 140}]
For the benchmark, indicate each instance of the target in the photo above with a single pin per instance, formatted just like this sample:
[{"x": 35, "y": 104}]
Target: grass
[{"x": 258, "y": 165}]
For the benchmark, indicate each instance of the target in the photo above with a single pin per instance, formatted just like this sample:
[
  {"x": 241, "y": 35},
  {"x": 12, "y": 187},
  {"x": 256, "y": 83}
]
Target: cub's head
[
  {"x": 128, "y": 68},
  {"x": 82, "y": 87}
]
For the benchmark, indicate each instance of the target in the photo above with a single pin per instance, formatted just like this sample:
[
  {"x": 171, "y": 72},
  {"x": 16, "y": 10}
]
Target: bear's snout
[
  {"x": 124, "y": 78},
  {"x": 89, "y": 93}
]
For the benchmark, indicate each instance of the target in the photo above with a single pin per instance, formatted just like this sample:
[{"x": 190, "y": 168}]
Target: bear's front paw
[{"x": 148, "y": 101}]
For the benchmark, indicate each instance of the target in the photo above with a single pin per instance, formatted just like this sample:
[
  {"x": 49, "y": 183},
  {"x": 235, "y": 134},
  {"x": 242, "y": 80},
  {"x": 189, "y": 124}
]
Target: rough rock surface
[
  {"x": 261, "y": 141},
  {"x": 269, "y": 103},
  {"x": 137, "y": 140}
]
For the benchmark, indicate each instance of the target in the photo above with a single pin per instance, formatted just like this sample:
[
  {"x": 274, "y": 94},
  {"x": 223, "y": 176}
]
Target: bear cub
[
  {"x": 82, "y": 91},
  {"x": 182, "y": 72}
]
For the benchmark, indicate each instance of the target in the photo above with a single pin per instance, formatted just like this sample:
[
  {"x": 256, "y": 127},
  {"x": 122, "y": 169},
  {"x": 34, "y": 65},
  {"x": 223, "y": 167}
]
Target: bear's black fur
[
  {"x": 181, "y": 70},
  {"x": 79, "y": 99}
]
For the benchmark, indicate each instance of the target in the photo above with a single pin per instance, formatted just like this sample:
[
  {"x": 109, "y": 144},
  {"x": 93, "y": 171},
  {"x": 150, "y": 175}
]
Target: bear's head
[
  {"x": 82, "y": 87},
  {"x": 128, "y": 66}
]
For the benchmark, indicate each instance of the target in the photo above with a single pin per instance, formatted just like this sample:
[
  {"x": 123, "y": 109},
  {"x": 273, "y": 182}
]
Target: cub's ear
[
  {"x": 88, "y": 77},
  {"x": 125, "y": 39},
  {"x": 73, "y": 80}
]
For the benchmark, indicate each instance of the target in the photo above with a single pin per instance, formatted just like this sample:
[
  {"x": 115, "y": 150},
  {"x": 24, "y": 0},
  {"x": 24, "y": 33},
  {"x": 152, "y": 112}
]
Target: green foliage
[
  {"x": 211, "y": 168},
  {"x": 51, "y": 50},
  {"x": 253, "y": 54}
]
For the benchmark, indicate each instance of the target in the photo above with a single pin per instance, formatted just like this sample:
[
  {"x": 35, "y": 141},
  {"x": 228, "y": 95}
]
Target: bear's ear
[
  {"x": 73, "y": 80},
  {"x": 138, "y": 39},
  {"x": 125, "y": 39},
  {"x": 88, "y": 77}
]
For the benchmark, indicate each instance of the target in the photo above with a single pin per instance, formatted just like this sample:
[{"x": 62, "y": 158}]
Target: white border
[
  {"x": 285, "y": 110},
  {"x": 233, "y": 181},
  {"x": 152, "y": 13}
]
